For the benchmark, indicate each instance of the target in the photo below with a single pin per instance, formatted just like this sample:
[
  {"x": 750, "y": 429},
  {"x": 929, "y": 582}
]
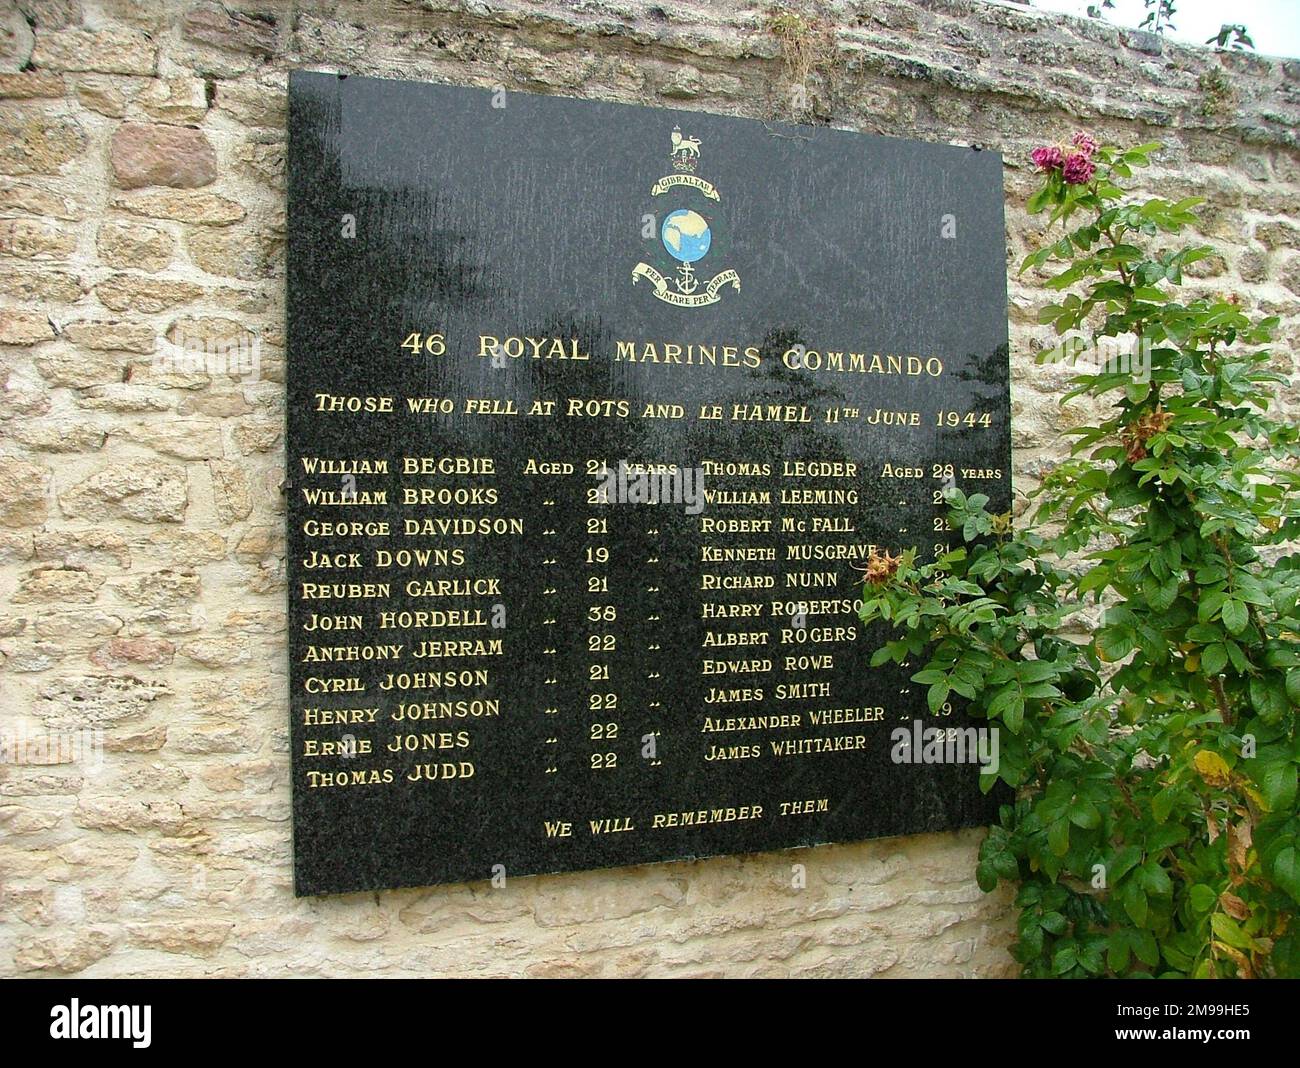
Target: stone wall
[{"x": 142, "y": 149}]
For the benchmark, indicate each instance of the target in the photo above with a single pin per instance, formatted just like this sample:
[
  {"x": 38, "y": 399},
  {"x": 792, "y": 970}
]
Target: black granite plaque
[{"x": 594, "y": 413}]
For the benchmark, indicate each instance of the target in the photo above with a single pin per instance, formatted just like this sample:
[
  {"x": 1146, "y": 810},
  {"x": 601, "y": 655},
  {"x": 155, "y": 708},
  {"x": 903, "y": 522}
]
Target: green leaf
[
  {"x": 1286, "y": 871},
  {"x": 1134, "y": 901},
  {"x": 1066, "y": 958},
  {"x": 1163, "y": 803},
  {"x": 1014, "y": 716},
  {"x": 1268, "y": 695},
  {"x": 1036, "y": 671},
  {"x": 1054, "y": 923},
  {"x": 1214, "y": 659},
  {"x": 1115, "y": 643},
  {"x": 1140, "y": 152},
  {"x": 1006, "y": 866},
  {"x": 1234, "y": 615},
  {"x": 1155, "y": 880},
  {"x": 1144, "y": 946},
  {"x": 1124, "y": 862},
  {"x": 1161, "y": 595},
  {"x": 1117, "y": 951},
  {"x": 1209, "y": 605},
  {"x": 1225, "y": 929},
  {"x": 1237, "y": 657},
  {"x": 1085, "y": 814},
  {"x": 1095, "y": 579},
  {"x": 936, "y": 696},
  {"x": 1058, "y": 837},
  {"x": 1277, "y": 784}
]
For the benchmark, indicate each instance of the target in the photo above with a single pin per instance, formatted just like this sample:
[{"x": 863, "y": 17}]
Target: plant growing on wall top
[
  {"x": 1155, "y": 827},
  {"x": 1158, "y": 16}
]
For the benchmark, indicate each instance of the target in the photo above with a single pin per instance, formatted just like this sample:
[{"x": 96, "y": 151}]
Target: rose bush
[{"x": 1155, "y": 827}]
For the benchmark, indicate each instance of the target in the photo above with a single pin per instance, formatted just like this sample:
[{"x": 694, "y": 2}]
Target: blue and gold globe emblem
[{"x": 687, "y": 237}]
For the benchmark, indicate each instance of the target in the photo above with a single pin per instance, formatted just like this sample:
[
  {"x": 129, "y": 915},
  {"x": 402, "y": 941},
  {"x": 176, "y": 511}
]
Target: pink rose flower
[
  {"x": 1086, "y": 145},
  {"x": 1078, "y": 169},
  {"x": 1047, "y": 158}
]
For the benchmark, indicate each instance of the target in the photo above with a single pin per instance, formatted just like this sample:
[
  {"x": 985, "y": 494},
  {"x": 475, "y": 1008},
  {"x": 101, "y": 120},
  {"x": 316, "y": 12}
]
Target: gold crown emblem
[{"x": 685, "y": 151}]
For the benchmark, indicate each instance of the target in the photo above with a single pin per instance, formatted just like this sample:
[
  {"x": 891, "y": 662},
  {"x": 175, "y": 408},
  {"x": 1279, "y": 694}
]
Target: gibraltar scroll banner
[{"x": 669, "y": 180}]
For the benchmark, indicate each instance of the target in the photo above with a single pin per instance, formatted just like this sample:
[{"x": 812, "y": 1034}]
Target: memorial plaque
[{"x": 595, "y": 414}]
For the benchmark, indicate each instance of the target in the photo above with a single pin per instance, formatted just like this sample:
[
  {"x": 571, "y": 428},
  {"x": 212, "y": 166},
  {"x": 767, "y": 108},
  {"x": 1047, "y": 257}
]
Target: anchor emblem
[{"x": 686, "y": 280}]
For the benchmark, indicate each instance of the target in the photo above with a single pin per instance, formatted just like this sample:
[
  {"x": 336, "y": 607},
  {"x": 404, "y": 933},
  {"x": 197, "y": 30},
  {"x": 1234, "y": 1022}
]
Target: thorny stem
[{"x": 1225, "y": 713}]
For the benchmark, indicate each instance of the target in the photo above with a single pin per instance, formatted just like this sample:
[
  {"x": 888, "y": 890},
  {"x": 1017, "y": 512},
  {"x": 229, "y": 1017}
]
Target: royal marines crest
[{"x": 685, "y": 234}]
